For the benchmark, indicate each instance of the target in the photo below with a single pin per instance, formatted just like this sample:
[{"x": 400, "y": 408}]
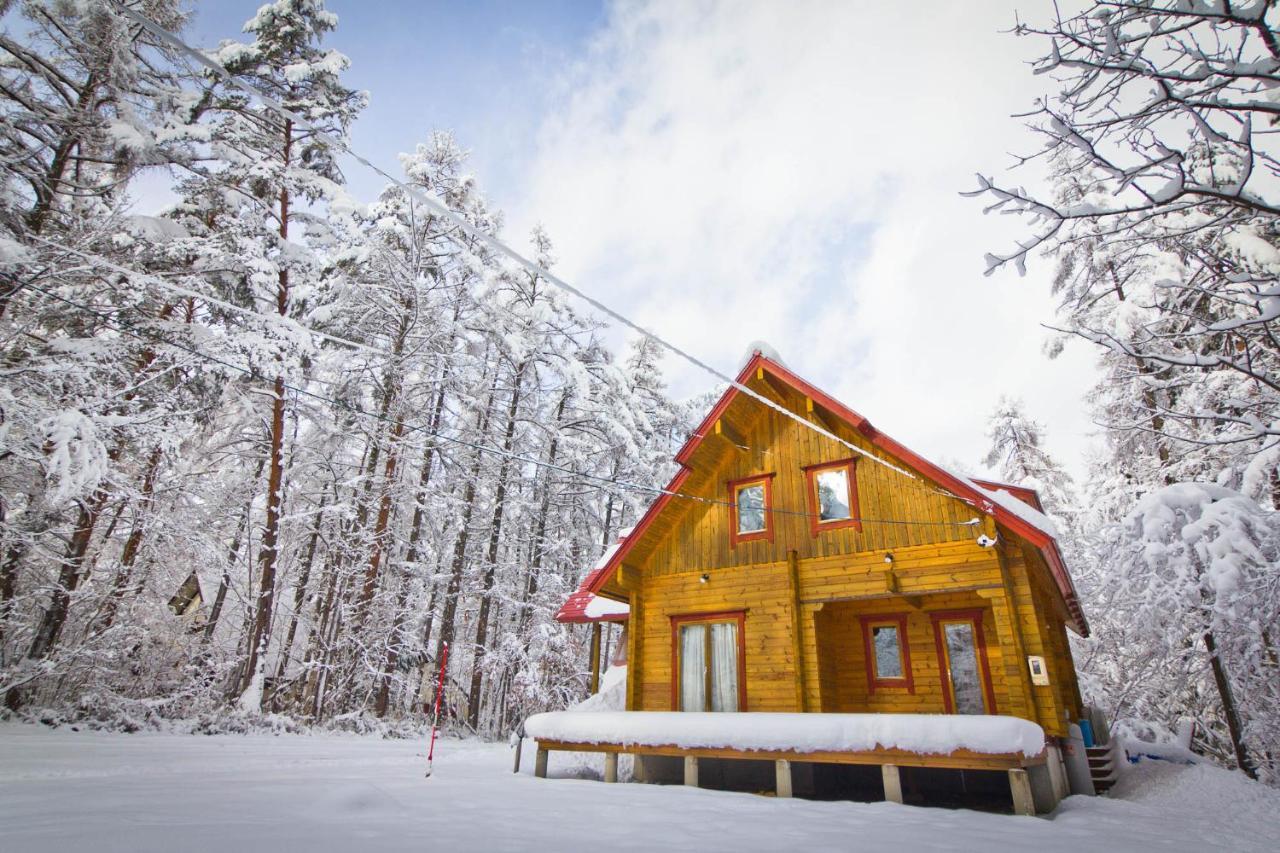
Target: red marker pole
[{"x": 435, "y": 720}]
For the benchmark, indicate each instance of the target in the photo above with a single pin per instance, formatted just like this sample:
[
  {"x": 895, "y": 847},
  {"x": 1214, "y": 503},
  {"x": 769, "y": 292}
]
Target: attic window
[
  {"x": 751, "y": 509},
  {"x": 833, "y": 496}
]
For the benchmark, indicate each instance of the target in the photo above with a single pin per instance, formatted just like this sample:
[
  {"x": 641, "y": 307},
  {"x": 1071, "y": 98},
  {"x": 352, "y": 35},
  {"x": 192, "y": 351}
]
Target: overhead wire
[
  {"x": 480, "y": 234},
  {"x": 620, "y": 485}
]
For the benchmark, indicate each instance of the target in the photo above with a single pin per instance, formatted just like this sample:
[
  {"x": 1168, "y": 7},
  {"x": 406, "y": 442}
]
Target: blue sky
[
  {"x": 484, "y": 69},
  {"x": 729, "y": 171}
]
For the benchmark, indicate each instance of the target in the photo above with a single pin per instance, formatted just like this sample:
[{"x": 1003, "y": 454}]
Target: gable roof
[{"x": 1009, "y": 505}]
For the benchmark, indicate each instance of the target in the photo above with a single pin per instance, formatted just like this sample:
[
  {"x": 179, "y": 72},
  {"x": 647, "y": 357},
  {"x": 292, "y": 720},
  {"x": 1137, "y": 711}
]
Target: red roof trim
[{"x": 959, "y": 488}]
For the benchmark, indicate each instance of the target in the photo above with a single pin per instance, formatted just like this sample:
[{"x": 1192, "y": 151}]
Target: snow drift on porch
[{"x": 924, "y": 734}]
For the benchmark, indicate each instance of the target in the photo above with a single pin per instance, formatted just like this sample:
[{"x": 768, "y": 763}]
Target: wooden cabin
[{"x": 796, "y": 573}]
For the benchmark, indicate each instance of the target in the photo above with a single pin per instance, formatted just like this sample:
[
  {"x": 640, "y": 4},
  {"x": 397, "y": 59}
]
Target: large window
[
  {"x": 706, "y": 662},
  {"x": 751, "y": 509},
  {"x": 962, "y": 659},
  {"x": 887, "y": 652},
  {"x": 833, "y": 496}
]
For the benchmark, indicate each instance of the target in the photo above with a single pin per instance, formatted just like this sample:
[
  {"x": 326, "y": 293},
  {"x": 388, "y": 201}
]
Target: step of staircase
[{"x": 1103, "y": 765}]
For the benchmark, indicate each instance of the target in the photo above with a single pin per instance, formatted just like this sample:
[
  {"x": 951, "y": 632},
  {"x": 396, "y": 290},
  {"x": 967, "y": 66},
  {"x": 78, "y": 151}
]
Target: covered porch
[{"x": 679, "y": 747}]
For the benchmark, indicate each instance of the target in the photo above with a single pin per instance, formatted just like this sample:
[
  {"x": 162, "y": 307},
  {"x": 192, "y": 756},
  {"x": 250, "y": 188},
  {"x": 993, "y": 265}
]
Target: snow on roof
[
  {"x": 762, "y": 348},
  {"x": 604, "y": 608},
  {"x": 1022, "y": 509},
  {"x": 925, "y": 734},
  {"x": 584, "y": 605}
]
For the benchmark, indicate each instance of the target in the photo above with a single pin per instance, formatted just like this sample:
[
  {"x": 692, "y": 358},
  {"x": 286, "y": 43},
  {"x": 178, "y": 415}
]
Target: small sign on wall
[{"x": 1039, "y": 675}]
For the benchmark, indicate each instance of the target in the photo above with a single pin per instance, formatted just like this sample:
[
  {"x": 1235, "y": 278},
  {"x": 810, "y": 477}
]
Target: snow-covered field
[{"x": 74, "y": 791}]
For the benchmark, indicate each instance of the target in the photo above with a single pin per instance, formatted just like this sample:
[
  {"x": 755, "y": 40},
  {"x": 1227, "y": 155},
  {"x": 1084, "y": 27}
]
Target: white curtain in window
[
  {"x": 693, "y": 668},
  {"x": 724, "y": 666}
]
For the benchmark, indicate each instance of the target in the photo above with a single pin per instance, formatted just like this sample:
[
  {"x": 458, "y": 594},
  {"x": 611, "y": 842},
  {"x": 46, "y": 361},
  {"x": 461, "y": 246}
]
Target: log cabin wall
[{"x": 803, "y": 594}]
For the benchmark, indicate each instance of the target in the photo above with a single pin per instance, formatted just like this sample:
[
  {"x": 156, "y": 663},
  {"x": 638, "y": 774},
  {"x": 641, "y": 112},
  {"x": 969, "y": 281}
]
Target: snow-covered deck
[
  {"x": 936, "y": 740},
  {"x": 888, "y": 740}
]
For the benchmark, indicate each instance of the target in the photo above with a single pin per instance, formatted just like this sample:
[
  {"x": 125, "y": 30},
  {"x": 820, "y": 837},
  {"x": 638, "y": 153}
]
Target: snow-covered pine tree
[
  {"x": 278, "y": 169},
  {"x": 1018, "y": 454}
]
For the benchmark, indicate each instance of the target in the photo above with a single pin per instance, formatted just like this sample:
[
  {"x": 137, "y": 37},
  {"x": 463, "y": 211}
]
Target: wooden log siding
[
  {"x": 803, "y": 593},
  {"x": 834, "y": 595}
]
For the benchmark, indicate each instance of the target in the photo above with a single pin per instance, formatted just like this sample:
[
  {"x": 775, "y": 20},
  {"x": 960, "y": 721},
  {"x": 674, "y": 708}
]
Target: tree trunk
[
  {"x": 55, "y": 616},
  {"x": 391, "y": 389},
  {"x": 491, "y": 556},
  {"x": 133, "y": 544},
  {"x": 260, "y": 637},
  {"x": 449, "y": 613},
  {"x": 300, "y": 590},
  {"x": 233, "y": 554},
  {"x": 411, "y": 558},
  {"x": 1229, "y": 710}
]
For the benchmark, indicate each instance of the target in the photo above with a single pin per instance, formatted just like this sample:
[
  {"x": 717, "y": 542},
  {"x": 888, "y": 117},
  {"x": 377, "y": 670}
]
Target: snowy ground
[{"x": 74, "y": 791}]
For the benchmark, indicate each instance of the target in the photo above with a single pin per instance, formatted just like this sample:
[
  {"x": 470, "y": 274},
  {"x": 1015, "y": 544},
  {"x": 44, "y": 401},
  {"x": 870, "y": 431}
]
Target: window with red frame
[
  {"x": 751, "y": 509},
  {"x": 887, "y": 653},
  {"x": 833, "y": 496}
]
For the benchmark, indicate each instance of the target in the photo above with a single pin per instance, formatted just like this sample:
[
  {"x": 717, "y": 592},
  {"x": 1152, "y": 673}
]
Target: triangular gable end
[{"x": 1006, "y": 504}]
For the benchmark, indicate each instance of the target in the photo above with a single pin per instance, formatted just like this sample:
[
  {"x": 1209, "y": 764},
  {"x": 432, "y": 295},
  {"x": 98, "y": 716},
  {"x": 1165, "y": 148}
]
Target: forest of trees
[
  {"x": 1162, "y": 216},
  {"x": 357, "y": 434},
  {"x": 349, "y": 428}
]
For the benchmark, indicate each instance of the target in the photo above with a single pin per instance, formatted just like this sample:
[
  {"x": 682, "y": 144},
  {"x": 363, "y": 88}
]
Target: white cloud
[{"x": 725, "y": 172}]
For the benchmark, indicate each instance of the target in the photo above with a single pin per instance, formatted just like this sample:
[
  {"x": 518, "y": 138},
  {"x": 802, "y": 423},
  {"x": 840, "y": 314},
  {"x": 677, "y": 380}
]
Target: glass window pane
[
  {"x": 750, "y": 502},
  {"x": 693, "y": 668},
  {"x": 888, "y": 651},
  {"x": 833, "y": 494},
  {"x": 724, "y": 666},
  {"x": 966, "y": 680}
]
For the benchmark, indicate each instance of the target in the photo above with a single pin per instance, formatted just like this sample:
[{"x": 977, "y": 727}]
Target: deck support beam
[
  {"x": 691, "y": 770},
  {"x": 892, "y": 783},
  {"x": 1020, "y": 786},
  {"x": 540, "y": 763},
  {"x": 611, "y": 767},
  {"x": 782, "y": 771}
]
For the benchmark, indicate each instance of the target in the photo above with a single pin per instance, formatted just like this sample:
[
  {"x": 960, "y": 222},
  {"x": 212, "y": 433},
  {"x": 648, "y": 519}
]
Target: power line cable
[
  {"x": 479, "y": 234},
  {"x": 152, "y": 338}
]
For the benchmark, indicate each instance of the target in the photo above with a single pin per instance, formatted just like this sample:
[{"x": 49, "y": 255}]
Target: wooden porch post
[
  {"x": 1020, "y": 785},
  {"x": 540, "y": 763},
  {"x": 892, "y": 783},
  {"x": 691, "y": 770},
  {"x": 610, "y": 766},
  {"x": 782, "y": 772},
  {"x": 797, "y": 627},
  {"x": 595, "y": 658}
]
